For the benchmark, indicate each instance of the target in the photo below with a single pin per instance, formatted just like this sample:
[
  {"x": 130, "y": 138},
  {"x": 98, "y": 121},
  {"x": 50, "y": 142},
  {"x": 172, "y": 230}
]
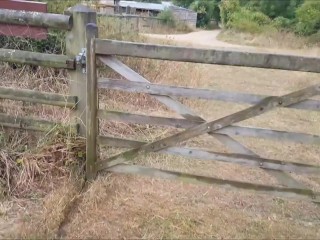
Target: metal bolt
[
  {"x": 148, "y": 87},
  {"x": 261, "y": 164}
]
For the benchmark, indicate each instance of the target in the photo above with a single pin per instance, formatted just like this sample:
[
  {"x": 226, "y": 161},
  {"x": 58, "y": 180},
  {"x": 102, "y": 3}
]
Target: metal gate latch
[{"x": 81, "y": 59}]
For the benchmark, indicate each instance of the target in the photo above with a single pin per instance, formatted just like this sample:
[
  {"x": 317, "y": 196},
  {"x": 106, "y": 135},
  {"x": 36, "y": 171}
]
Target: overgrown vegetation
[
  {"x": 301, "y": 17},
  {"x": 207, "y": 10}
]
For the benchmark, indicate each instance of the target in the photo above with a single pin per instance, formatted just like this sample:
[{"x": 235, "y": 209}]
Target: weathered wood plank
[
  {"x": 76, "y": 43},
  {"x": 25, "y": 123},
  {"x": 240, "y": 159},
  {"x": 229, "y": 184},
  {"x": 185, "y": 112},
  {"x": 92, "y": 102},
  {"x": 35, "y": 19},
  {"x": 230, "y": 130},
  {"x": 212, "y": 56},
  {"x": 32, "y": 96},
  {"x": 131, "y": 75},
  {"x": 167, "y": 90},
  {"x": 34, "y": 58},
  {"x": 256, "y": 110}
]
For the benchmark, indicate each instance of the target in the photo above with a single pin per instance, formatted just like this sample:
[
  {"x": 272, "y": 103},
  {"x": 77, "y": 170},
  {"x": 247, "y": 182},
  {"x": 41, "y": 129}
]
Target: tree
[
  {"x": 207, "y": 10},
  {"x": 273, "y": 8},
  {"x": 308, "y": 17}
]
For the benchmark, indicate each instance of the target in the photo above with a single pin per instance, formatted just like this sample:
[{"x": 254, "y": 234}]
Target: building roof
[{"x": 142, "y": 5}]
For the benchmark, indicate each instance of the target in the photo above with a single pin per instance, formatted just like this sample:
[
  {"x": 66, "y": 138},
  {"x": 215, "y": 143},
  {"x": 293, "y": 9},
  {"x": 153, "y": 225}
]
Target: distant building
[{"x": 187, "y": 16}]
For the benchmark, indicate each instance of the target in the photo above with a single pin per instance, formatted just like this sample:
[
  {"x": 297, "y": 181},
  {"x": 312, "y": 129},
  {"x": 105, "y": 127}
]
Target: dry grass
[
  {"x": 271, "y": 39},
  {"x": 117, "y": 206}
]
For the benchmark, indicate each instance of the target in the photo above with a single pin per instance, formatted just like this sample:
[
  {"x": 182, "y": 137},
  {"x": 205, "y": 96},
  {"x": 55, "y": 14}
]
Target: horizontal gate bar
[
  {"x": 229, "y": 184},
  {"x": 30, "y": 123},
  {"x": 32, "y": 96},
  {"x": 256, "y": 110},
  {"x": 167, "y": 90},
  {"x": 241, "y": 159},
  {"x": 35, "y": 19},
  {"x": 230, "y": 130},
  {"x": 187, "y": 113},
  {"x": 37, "y": 59},
  {"x": 209, "y": 56}
]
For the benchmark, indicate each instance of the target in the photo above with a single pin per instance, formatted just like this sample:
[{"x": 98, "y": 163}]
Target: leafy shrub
[
  {"x": 227, "y": 8},
  {"x": 308, "y": 18},
  {"x": 206, "y": 11},
  {"x": 282, "y": 23},
  {"x": 167, "y": 18},
  {"x": 248, "y": 21}
]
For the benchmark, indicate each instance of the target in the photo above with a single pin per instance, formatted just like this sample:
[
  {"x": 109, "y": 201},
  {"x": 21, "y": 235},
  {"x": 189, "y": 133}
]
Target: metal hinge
[{"x": 81, "y": 59}]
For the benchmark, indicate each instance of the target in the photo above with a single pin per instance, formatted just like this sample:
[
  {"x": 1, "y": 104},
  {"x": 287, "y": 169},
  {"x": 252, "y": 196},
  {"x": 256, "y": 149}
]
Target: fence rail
[
  {"x": 36, "y": 19},
  {"x": 230, "y": 130},
  {"x": 74, "y": 23},
  {"x": 37, "y": 59},
  {"x": 209, "y": 56},
  {"x": 208, "y": 94},
  {"x": 32, "y": 96}
]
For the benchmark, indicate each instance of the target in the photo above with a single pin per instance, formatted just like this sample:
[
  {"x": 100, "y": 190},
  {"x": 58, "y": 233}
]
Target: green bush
[
  {"x": 282, "y": 23},
  {"x": 227, "y": 8},
  {"x": 206, "y": 11},
  {"x": 248, "y": 21},
  {"x": 167, "y": 18},
  {"x": 308, "y": 18}
]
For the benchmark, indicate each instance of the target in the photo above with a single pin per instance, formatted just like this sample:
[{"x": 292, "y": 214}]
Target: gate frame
[{"x": 104, "y": 51}]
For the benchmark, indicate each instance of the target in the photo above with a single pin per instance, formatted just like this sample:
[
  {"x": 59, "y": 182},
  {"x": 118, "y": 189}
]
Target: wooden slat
[
  {"x": 167, "y": 90},
  {"x": 37, "y": 59},
  {"x": 230, "y": 130},
  {"x": 36, "y": 19},
  {"x": 241, "y": 159},
  {"x": 263, "y": 107},
  {"x": 185, "y": 112},
  {"x": 25, "y": 123},
  {"x": 92, "y": 102},
  {"x": 229, "y": 184},
  {"x": 212, "y": 56},
  {"x": 32, "y": 96}
]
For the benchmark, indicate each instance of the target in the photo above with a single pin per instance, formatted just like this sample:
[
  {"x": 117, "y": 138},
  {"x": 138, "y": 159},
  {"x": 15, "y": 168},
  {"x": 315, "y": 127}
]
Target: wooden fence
[
  {"x": 74, "y": 22},
  {"x": 84, "y": 48},
  {"x": 222, "y": 129}
]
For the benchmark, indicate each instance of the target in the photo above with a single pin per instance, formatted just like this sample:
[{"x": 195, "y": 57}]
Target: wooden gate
[{"x": 222, "y": 129}]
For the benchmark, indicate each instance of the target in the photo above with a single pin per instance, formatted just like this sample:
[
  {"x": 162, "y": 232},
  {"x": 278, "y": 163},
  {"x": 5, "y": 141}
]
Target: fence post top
[{"x": 80, "y": 8}]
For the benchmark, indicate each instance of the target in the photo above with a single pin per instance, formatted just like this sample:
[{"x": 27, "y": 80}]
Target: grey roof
[{"x": 142, "y": 5}]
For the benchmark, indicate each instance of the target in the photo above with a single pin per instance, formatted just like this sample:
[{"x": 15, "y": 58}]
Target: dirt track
[
  {"x": 205, "y": 39},
  {"x": 209, "y": 39}
]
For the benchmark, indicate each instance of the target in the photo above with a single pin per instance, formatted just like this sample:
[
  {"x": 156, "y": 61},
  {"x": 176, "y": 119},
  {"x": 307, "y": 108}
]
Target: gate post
[
  {"x": 76, "y": 44},
  {"x": 92, "y": 102}
]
